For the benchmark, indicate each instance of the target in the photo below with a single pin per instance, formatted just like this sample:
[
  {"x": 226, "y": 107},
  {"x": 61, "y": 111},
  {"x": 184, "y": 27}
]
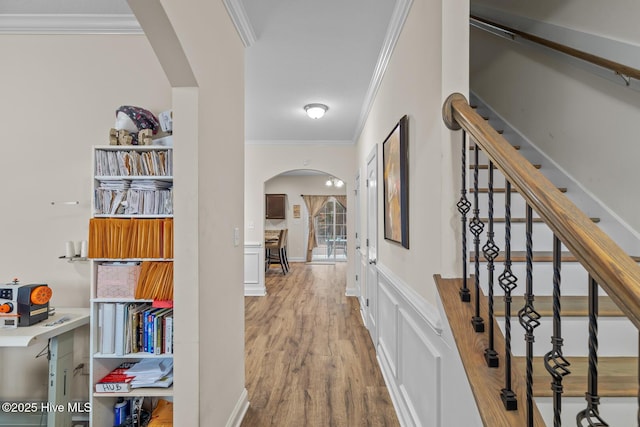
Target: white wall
[
  {"x": 294, "y": 187},
  {"x": 416, "y": 350},
  {"x": 211, "y": 328},
  {"x": 59, "y": 96},
  {"x": 585, "y": 123},
  {"x": 427, "y": 65},
  {"x": 616, "y": 19},
  {"x": 265, "y": 161}
]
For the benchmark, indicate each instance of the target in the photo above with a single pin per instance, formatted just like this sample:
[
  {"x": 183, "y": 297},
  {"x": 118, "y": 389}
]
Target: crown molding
[
  {"x": 297, "y": 142},
  {"x": 68, "y": 24},
  {"x": 241, "y": 21},
  {"x": 400, "y": 13}
]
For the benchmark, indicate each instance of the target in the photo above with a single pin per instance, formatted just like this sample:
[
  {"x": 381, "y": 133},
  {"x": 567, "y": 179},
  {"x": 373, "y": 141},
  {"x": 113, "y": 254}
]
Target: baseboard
[
  {"x": 351, "y": 292},
  {"x": 240, "y": 410},
  {"x": 255, "y": 291}
]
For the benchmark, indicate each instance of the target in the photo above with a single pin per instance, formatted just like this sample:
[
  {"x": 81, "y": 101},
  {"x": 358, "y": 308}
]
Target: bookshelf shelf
[
  {"x": 100, "y": 260},
  {"x": 139, "y": 355},
  {"x": 133, "y": 178},
  {"x": 131, "y": 253},
  {"x": 144, "y": 391},
  {"x": 131, "y": 216},
  {"x": 73, "y": 259},
  {"x": 97, "y": 300}
]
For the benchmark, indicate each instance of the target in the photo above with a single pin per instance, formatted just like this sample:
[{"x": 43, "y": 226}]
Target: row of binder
[
  {"x": 133, "y": 202},
  {"x": 134, "y": 163},
  {"x": 130, "y": 238},
  {"x": 125, "y": 328}
]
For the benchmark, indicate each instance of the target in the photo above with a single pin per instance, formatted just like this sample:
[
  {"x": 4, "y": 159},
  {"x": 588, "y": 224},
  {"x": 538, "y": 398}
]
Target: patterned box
[{"x": 117, "y": 281}]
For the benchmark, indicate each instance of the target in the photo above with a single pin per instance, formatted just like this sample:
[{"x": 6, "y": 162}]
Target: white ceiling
[
  {"x": 299, "y": 52},
  {"x": 310, "y": 51}
]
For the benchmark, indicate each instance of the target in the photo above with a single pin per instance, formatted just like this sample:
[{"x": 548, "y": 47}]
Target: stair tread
[
  {"x": 538, "y": 256},
  {"x": 571, "y": 306},
  {"x": 523, "y": 220},
  {"x": 617, "y": 376},
  {"x": 513, "y": 190},
  {"x": 521, "y": 256},
  {"x": 485, "y": 167}
]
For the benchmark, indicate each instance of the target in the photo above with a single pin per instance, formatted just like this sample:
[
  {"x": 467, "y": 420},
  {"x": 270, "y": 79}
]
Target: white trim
[
  {"x": 69, "y": 24},
  {"x": 351, "y": 292},
  {"x": 254, "y": 270},
  {"x": 395, "y": 394},
  {"x": 239, "y": 411},
  {"x": 398, "y": 18},
  {"x": 255, "y": 291},
  {"x": 241, "y": 21},
  {"x": 297, "y": 142},
  {"x": 411, "y": 350},
  {"x": 428, "y": 312}
]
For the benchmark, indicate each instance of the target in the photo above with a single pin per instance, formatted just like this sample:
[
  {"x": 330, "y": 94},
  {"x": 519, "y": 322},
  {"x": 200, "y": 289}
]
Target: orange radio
[{"x": 23, "y": 305}]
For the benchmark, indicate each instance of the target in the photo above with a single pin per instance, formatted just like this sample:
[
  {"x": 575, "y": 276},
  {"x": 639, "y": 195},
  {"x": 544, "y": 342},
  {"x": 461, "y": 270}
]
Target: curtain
[
  {"x": 314, "y": 204},
  {"x": 342, "y": 200}
]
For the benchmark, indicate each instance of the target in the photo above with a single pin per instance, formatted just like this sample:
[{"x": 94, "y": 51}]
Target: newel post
[{"x": 447, "y": 110}]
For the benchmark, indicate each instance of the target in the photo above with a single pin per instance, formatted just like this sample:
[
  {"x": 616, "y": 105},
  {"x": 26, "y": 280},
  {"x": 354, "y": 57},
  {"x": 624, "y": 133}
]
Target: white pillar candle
[
  {"x": 69, "y": 250},
  {"x": 84, "y": 249}
]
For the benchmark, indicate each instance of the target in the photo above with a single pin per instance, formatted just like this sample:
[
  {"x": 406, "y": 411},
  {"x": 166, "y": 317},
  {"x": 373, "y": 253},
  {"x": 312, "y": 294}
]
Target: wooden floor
[{"x": 309, "y": 359}]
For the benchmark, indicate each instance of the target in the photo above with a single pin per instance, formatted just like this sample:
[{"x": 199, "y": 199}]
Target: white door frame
[{"x": 371, "y": 300}]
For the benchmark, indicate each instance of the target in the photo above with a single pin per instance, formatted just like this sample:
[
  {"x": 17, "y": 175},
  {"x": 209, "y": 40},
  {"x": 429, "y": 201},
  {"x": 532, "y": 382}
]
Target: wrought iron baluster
[
  {"x": 508, "y": 282},
  {"x": 490, "y": 250},
  {"x": 529, "y": 317},
  {"x": 476, "y": 226},
  {"x": 554, "y": 361},
  {"x": 591, "y": 413},
  {"x": 464, "y": 205}
]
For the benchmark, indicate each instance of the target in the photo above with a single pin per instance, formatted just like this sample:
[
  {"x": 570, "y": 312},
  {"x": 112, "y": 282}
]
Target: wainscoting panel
[
  {"x": 420, "y": 376},
  {"x": 254, "y": 270},
  {"x": 388, "y": 320},
  {"x": 420, "y": 365}
]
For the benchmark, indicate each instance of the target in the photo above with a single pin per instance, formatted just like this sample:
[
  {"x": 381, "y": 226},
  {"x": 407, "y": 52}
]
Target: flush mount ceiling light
[
  {"x": 334, "y": 182},
  {"x": 315, "y": 111}
]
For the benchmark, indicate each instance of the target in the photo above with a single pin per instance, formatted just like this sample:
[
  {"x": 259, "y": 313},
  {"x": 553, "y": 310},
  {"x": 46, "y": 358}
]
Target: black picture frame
[{"x": 395, "y": 160}]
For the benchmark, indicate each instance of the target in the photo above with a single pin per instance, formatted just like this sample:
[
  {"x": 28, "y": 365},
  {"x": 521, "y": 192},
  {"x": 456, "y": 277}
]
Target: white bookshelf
[{"x": 101, "y": 364}]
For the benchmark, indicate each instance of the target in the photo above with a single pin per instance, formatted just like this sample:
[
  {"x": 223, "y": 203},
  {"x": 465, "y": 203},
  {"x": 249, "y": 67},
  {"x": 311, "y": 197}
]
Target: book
[
  {"x": 108, "y": 328},
  {"x": 119, "y": 339},
  {"x": 116, "y": 381},
  {"x": 168, "y": 335}
]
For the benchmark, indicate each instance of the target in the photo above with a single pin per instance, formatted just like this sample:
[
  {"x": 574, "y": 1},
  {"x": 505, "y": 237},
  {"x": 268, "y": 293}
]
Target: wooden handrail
[
  {"x": 613, "y": 269},
  {"x": 618, "y": 68}
]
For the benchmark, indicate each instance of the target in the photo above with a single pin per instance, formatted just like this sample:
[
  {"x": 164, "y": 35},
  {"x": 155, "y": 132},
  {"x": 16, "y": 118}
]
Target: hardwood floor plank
[{"x": 309, "y": 359}]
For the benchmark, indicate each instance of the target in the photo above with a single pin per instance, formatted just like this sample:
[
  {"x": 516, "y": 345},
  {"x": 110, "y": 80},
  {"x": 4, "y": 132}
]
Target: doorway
[{"x": 331, "y": 232}]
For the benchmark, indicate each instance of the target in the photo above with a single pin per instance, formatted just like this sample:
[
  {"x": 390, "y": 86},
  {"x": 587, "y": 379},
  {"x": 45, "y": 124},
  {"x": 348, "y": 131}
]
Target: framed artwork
[{"x": 395, "y": 158}]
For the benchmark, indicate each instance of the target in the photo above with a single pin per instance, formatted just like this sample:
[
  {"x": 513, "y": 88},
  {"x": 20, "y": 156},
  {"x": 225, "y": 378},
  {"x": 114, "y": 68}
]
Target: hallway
[{"x": 309, "y": 359}]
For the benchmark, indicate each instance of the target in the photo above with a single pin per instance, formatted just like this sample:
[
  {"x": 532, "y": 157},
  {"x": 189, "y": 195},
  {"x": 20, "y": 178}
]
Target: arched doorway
[{"x": 329, "y": 222}]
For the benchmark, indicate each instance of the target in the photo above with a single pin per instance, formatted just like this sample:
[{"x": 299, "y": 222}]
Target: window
[{"x": 331, "y": 232}]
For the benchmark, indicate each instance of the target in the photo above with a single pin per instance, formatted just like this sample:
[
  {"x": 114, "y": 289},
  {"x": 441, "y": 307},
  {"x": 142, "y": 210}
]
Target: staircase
[{"x": 617, "y": 337}]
